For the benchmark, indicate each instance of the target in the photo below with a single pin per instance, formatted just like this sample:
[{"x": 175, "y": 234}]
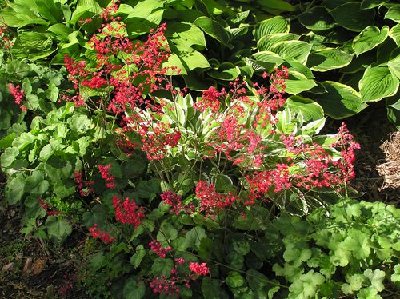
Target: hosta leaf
[
  {"x": 185, "y": 35},
  {"x": 377, "y": 82},
  {"x": 309, "y": 109},
  {"x": 214, "y": 29},
  {"x": 193, "y": 60},
  {"x": 340, "y": 100},
  {"x": 317, "y": 18},
  {"x": 32, "y": 45},
  {"x": 273, "y": 25},
  {"x": 85, "y": 9},
  {"x": 268, "y": 41},
  {"x": 328, "y": 59},
  {"x": 369, "y": 38},
  {"x": 367, "y": 4},
  {"x": 13, "y": 19},
  {"x": 298, "y": 83},
  {"x": 352, "y": 17},
  {"x": 276, "y": 6},
  {"x": 394, "y": 66},
  {"x": 141, "y": 10},
  {"x": 395, "y": 34},
  {"x": 295, "y": 50},
  {"x": 393, "y": 13}
]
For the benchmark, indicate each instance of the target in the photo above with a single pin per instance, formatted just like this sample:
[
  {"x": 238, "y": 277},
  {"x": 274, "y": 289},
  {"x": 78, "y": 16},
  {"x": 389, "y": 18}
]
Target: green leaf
[
  {"x": 378, "y": 82},
  {"x": 85, "y": 9},
  {"x": 306, "y": 285},
  {"x": 268, "y": 41},
  {"x": 393, "y": 13},
  {"x": 61, "y": 31},
  {"x": 162, "y": 266},
  {"x": 395, "y": 277},
  {"x": 367, "y": 4},
  {"x": 134, "y": 289},
  {"x": 298, "y": 83},
  {"x": 317, "y": 18},
  {"x": 309, "y": 109},
  {"x": 355, "y": 282},
  {"x": 194, "y": 237},
  {"x": 352, "y": 17},
  {"x": 376, "y": 278},
  {"x": 80, "y": 123},
  {"x": 185, "y": 35},
  {"x": 234, "y": 280},
  {"x": 276, "y": 6},
  {"x": 394, "y": 66},
  {"x": 14, "y": 19},
  {"x": 167, "y": 232},
  {"x": 395, "y": 34},
  {"x": 58, "y": 228},
  {"x": 339, "y": 100},
  {"x": 15, "y": 189},
  {"x": 142, "y": 10},
  {"x": 328, "y": 59},
  {"x": 273, "y": 25},
  {"x": 137, "y": 258},
  {"x": 214, "y": 29},
  {"x": 295, "y": 50},
  {"x": 32, "y": 45},
  {"x": 9, "y": 156},
  {"x": 256, "y": 280},
  {"x": 148, "y": 189},
  {"x": 369, "y": 38},
  {"x": 193, "y": 60}
]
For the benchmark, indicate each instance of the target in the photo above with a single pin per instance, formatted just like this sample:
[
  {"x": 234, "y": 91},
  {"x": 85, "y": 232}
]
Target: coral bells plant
[{"x": 216, "y": 165}]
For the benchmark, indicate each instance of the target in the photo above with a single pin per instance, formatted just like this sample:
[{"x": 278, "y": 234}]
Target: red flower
[
  {"x": 157, "y": 248},
  {"x": 199, "y": 269},
  {"x": 96, "y": 233},
  {"x": 210, "y": 99},
  {"x": 106, "y": 175},
  {"x": 127, "y": 211},
  {"x": 17, "y": 94}
]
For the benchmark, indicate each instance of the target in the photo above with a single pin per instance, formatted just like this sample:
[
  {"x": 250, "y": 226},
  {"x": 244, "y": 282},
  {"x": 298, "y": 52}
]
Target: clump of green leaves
[
  {"x": 350, "y": 249},
  {"x": 342, "y": 54}
]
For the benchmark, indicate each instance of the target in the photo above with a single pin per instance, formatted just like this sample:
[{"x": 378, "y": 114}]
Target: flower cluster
[
  {"x": 17, "y": 94},
  {"x": 210, "y": 99},
  {"x": 158, "y": 249},
  {"x": 199, "y": 269},
  {"x": 210, "y": 200},
  {"x": 106, "y": 175},
  {"x": 127, "y": 211},
  {"x": 96, "y": 233}
]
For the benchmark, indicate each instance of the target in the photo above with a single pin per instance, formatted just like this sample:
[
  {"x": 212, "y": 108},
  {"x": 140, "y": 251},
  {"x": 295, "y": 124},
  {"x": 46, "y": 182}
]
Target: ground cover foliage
[{"x": 184, "y": 137}]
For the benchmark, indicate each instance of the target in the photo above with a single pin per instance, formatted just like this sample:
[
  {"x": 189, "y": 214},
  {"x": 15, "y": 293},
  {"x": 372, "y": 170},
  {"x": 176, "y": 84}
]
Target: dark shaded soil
[{"x": 32, "y": 269}]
